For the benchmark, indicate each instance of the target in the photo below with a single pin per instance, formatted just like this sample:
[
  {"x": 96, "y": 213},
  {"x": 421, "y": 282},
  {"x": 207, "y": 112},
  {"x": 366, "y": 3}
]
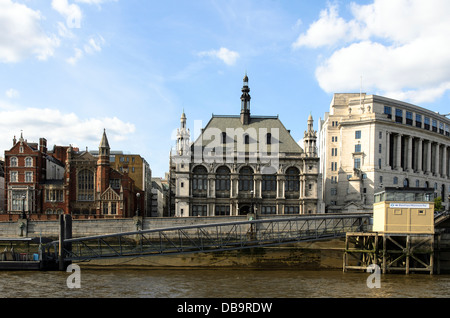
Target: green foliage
[{"x": 438, "y": 204}]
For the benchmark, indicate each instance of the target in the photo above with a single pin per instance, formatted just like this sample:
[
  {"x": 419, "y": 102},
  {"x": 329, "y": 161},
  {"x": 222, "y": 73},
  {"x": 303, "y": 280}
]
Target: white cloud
[
  {"x": 227, "y": 56},
  {"x": 60, "y": 128},
  {"x": 74, "y": 59},
  {"x": 21, "y": 34},
  {"x": 12, "y": 93},
  {"x": 94, "y": 45},
  {"x": 400, "y": 48},
  {"x": 71, "y": 12}
]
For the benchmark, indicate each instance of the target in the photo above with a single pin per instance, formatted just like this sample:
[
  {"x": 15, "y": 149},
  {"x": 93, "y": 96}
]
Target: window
[
  {"x": 398, "y": 116},
  {"x": 28, "y": 162},
  {"x": 182, "y": 184},
  {"x": 291, "y": 209},
  {"x": 246, "y": 179},
  {"x": 268, "y": 210},
  {"x": 358, "y": 134},
  {"x": 447, "y": 130},
  {"x": 388, "y": 111},
  {"x": 434, "y": 125},
  {"x": 395, "y": 181},
  {"x": 199, "y": 181},
  {"x": 222, "y": 180},
  {"x": 13, "y": 162},
  {"x": 105, "y": 208},
  {"x": 222, "y": 210},
  {"x": 85, "y": 185},
  {"x": 199, "y": 210},
  {"x": 357, "y": 163},
  {"x": 269, "y": 182},
  {"x": 246, "y": 139},
  {"x": 334, "y": 166},
  {"x": 334, "y": 152},
  {"x": 379, "y": 148},
  {"x": 114, "y": 183},
  {"x": 292, "y": 180},
  {"x": 380, "y": 135},
  {"x": 269, "y": 138},
  {"x": 441, "y": 128},
  {"x": 14, "y": 176},
  {"x": 54, "y": 195},
  {"x": 224, "y": 137},
  {"x": 427, "y": 123},
  {"x": 28, "y": 176},
  {"x": 409, "y": 118},
  {"x": 113, "y": 208},
  {"x": 334, "y": 138},
  {"x": 18, "y": 201},
  {"x": 379, "y": 163},
  {"x": 417, "y": 183},
  {"x": 418, "y": 120},
  {"x": 358, "y": 148},
  {"x": 333, "y": 191}
]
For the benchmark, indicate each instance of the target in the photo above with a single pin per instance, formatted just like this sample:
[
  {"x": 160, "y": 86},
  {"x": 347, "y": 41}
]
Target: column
[
  {"x": 419, "y": 155},
  {"x": 398, "y": 158},
  {"x": 388, "y": 149},
  {"x": 444, "y": 162},
  {"x": 436, "y": 158},
  {"x": 428, "y": 168},
  {"x": 409, "y": 159}
]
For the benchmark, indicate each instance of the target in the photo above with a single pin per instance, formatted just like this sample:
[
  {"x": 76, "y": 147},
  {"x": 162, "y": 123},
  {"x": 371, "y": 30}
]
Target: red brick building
[{"x": 42, "y": 183}]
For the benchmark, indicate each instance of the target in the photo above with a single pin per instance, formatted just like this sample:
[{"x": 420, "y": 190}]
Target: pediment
[
  {"x": 110, "y": 195},
  {"x": 86, "y": 156}
]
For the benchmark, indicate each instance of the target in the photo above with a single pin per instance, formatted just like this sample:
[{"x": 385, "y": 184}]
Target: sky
[{"x": 71, "y": 68}]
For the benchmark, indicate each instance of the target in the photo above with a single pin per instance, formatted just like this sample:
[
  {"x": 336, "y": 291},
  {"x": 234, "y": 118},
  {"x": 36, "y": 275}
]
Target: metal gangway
[{"x": 209, "y": 237}]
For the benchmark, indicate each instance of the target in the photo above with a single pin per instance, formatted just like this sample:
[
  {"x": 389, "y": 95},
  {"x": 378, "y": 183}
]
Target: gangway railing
[{"x": 209, "y": 237}]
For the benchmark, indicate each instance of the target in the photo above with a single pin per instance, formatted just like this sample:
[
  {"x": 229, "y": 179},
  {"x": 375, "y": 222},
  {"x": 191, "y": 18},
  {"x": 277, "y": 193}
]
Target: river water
[{"x": 201, "y": 283}]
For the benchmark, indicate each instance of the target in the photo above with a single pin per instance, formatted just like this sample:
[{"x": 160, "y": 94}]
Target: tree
[{"x": 438, "y": 204}]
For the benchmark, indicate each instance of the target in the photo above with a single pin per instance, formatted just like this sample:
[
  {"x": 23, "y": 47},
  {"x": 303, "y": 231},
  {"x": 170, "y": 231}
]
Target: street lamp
[
  {"x": 24, "y": 216},
  {"x": 137, "y": 209}
]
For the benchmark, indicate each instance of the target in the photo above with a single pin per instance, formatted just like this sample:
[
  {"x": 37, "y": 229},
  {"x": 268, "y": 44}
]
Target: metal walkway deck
[{"x": 210, "y": 237}]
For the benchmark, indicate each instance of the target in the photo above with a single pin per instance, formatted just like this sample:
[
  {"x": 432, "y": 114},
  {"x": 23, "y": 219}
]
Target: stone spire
[{"x": 245, "y": 102}]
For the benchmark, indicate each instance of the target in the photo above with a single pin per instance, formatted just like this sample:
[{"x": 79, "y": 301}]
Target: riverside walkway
[{"x": 205, "y": 238}]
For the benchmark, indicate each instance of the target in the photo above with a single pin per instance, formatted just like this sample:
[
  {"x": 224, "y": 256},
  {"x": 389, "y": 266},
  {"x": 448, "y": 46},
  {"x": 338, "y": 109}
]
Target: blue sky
[{"x": 70, "y": 68}]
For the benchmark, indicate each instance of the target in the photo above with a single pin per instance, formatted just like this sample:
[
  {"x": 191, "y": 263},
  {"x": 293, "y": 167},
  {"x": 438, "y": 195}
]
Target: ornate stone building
[
  {"x": 368, "y": 142},
  {"x": 244, "y": 164}
]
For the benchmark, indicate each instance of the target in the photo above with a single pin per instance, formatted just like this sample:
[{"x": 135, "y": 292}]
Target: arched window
[
  {"x": 28, "y": 162},
  {"x": 85, "y": 185},
  {"x": 199, "y": 181},
  {"x": 292, "y": 180},
  {"x": 246, "y": 139},
  {"x": 406, "y": 183},
  {"x": 223, "y": 182},
  {"x": 246, "y": 179}
]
